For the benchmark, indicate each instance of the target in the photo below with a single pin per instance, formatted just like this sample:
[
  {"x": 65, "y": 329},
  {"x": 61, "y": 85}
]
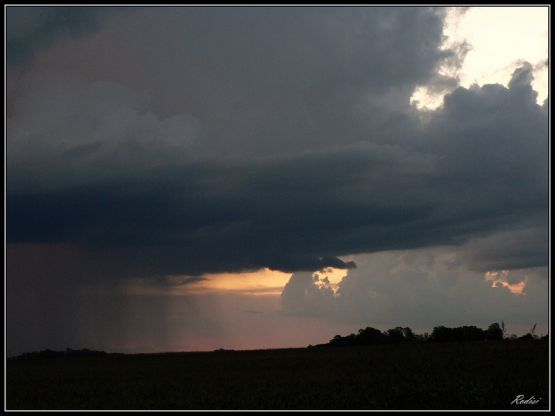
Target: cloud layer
[
  {"x": 278, "y": 138},
  {"x": 32, "y": 28}
]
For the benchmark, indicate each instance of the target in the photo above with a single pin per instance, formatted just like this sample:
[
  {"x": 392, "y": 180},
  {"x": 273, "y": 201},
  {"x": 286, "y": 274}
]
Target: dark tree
[
  {"x": 408, "y": 334},
  {"x": 441, "y": 334},
  {"x": 395, "y": 335},
  {"x": 369, "y": 335},
  {"x": 494, "y": 332},
  {"x": 461, "y": 333}
]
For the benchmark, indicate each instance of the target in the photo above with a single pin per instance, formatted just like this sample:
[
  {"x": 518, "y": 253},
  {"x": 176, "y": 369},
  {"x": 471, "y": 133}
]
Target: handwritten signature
[{"x": 521, "y": 400}]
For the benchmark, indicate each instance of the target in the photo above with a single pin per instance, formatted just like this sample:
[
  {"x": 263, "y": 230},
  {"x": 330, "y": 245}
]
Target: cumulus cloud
[
  {"x": 423, "y": 288},
  {"x": 307, "y": 294}
]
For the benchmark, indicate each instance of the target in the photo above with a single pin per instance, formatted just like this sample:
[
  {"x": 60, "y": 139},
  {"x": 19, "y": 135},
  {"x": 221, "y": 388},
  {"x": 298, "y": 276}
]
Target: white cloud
[{"x": 495, "y": 41}]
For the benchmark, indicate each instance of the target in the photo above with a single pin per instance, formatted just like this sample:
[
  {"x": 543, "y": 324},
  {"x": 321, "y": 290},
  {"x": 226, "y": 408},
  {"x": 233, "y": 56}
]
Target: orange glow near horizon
[
  {"x": 499, "y": 278},
  {"x": 254, "y": 283},
  {"x": 260, "y": 282}
]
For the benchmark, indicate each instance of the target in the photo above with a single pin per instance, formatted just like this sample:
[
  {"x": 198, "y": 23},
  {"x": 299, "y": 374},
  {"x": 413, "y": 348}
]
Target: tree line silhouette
[
  {"x": 400, "y": 335},
  {"x": 366, "y": 336}
]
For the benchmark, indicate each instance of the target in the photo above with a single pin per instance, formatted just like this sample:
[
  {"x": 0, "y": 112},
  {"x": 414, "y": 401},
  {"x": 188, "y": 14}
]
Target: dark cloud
[
  {"x": 269, "y": 79},
  {"x": 30, "y": 28},
  {"x": 516, "y": 249},
  {"x": 322, "y": 156},
  {"x": 480, "y": 167}
]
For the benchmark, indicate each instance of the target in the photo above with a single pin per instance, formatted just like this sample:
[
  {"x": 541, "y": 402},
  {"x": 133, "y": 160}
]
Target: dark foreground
[{"x": 472, "y": 375}]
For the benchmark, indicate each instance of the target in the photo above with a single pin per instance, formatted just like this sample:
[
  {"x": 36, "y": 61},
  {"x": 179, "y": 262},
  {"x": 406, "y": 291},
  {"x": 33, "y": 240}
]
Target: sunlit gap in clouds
[
  {"x": 491, "y": 42},
  {"x": 501, "y": 278},
  {"x": 263, "y": 282},
  {"x": 329, "y": 277}
]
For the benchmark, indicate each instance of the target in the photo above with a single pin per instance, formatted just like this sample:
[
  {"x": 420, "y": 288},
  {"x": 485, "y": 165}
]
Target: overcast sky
[{"x": 190, "y": 178}]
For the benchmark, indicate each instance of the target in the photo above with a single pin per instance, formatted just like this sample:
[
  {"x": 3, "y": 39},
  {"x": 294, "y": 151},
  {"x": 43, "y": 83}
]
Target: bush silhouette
[{"x": 398, "y": 335}]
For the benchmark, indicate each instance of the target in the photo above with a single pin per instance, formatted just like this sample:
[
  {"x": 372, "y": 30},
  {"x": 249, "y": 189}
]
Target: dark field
[{"x": 472, "y": 375}]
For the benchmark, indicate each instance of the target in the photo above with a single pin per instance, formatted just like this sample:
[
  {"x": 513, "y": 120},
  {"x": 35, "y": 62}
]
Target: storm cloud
[
  {"x": 266, "y": 137},
  {"x": 152, "y": 149},
  {"x": 32, "y": 28}
]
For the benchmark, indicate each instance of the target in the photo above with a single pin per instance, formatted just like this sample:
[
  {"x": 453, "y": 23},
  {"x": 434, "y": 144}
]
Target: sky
[{"x": 195, "y": 178}]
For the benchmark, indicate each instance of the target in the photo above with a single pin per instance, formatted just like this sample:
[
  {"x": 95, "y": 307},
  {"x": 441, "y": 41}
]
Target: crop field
[{"x": 466, "y": 375}]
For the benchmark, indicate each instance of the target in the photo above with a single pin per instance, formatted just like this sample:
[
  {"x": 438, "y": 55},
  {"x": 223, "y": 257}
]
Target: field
[{"x": 472, "y": 375}]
